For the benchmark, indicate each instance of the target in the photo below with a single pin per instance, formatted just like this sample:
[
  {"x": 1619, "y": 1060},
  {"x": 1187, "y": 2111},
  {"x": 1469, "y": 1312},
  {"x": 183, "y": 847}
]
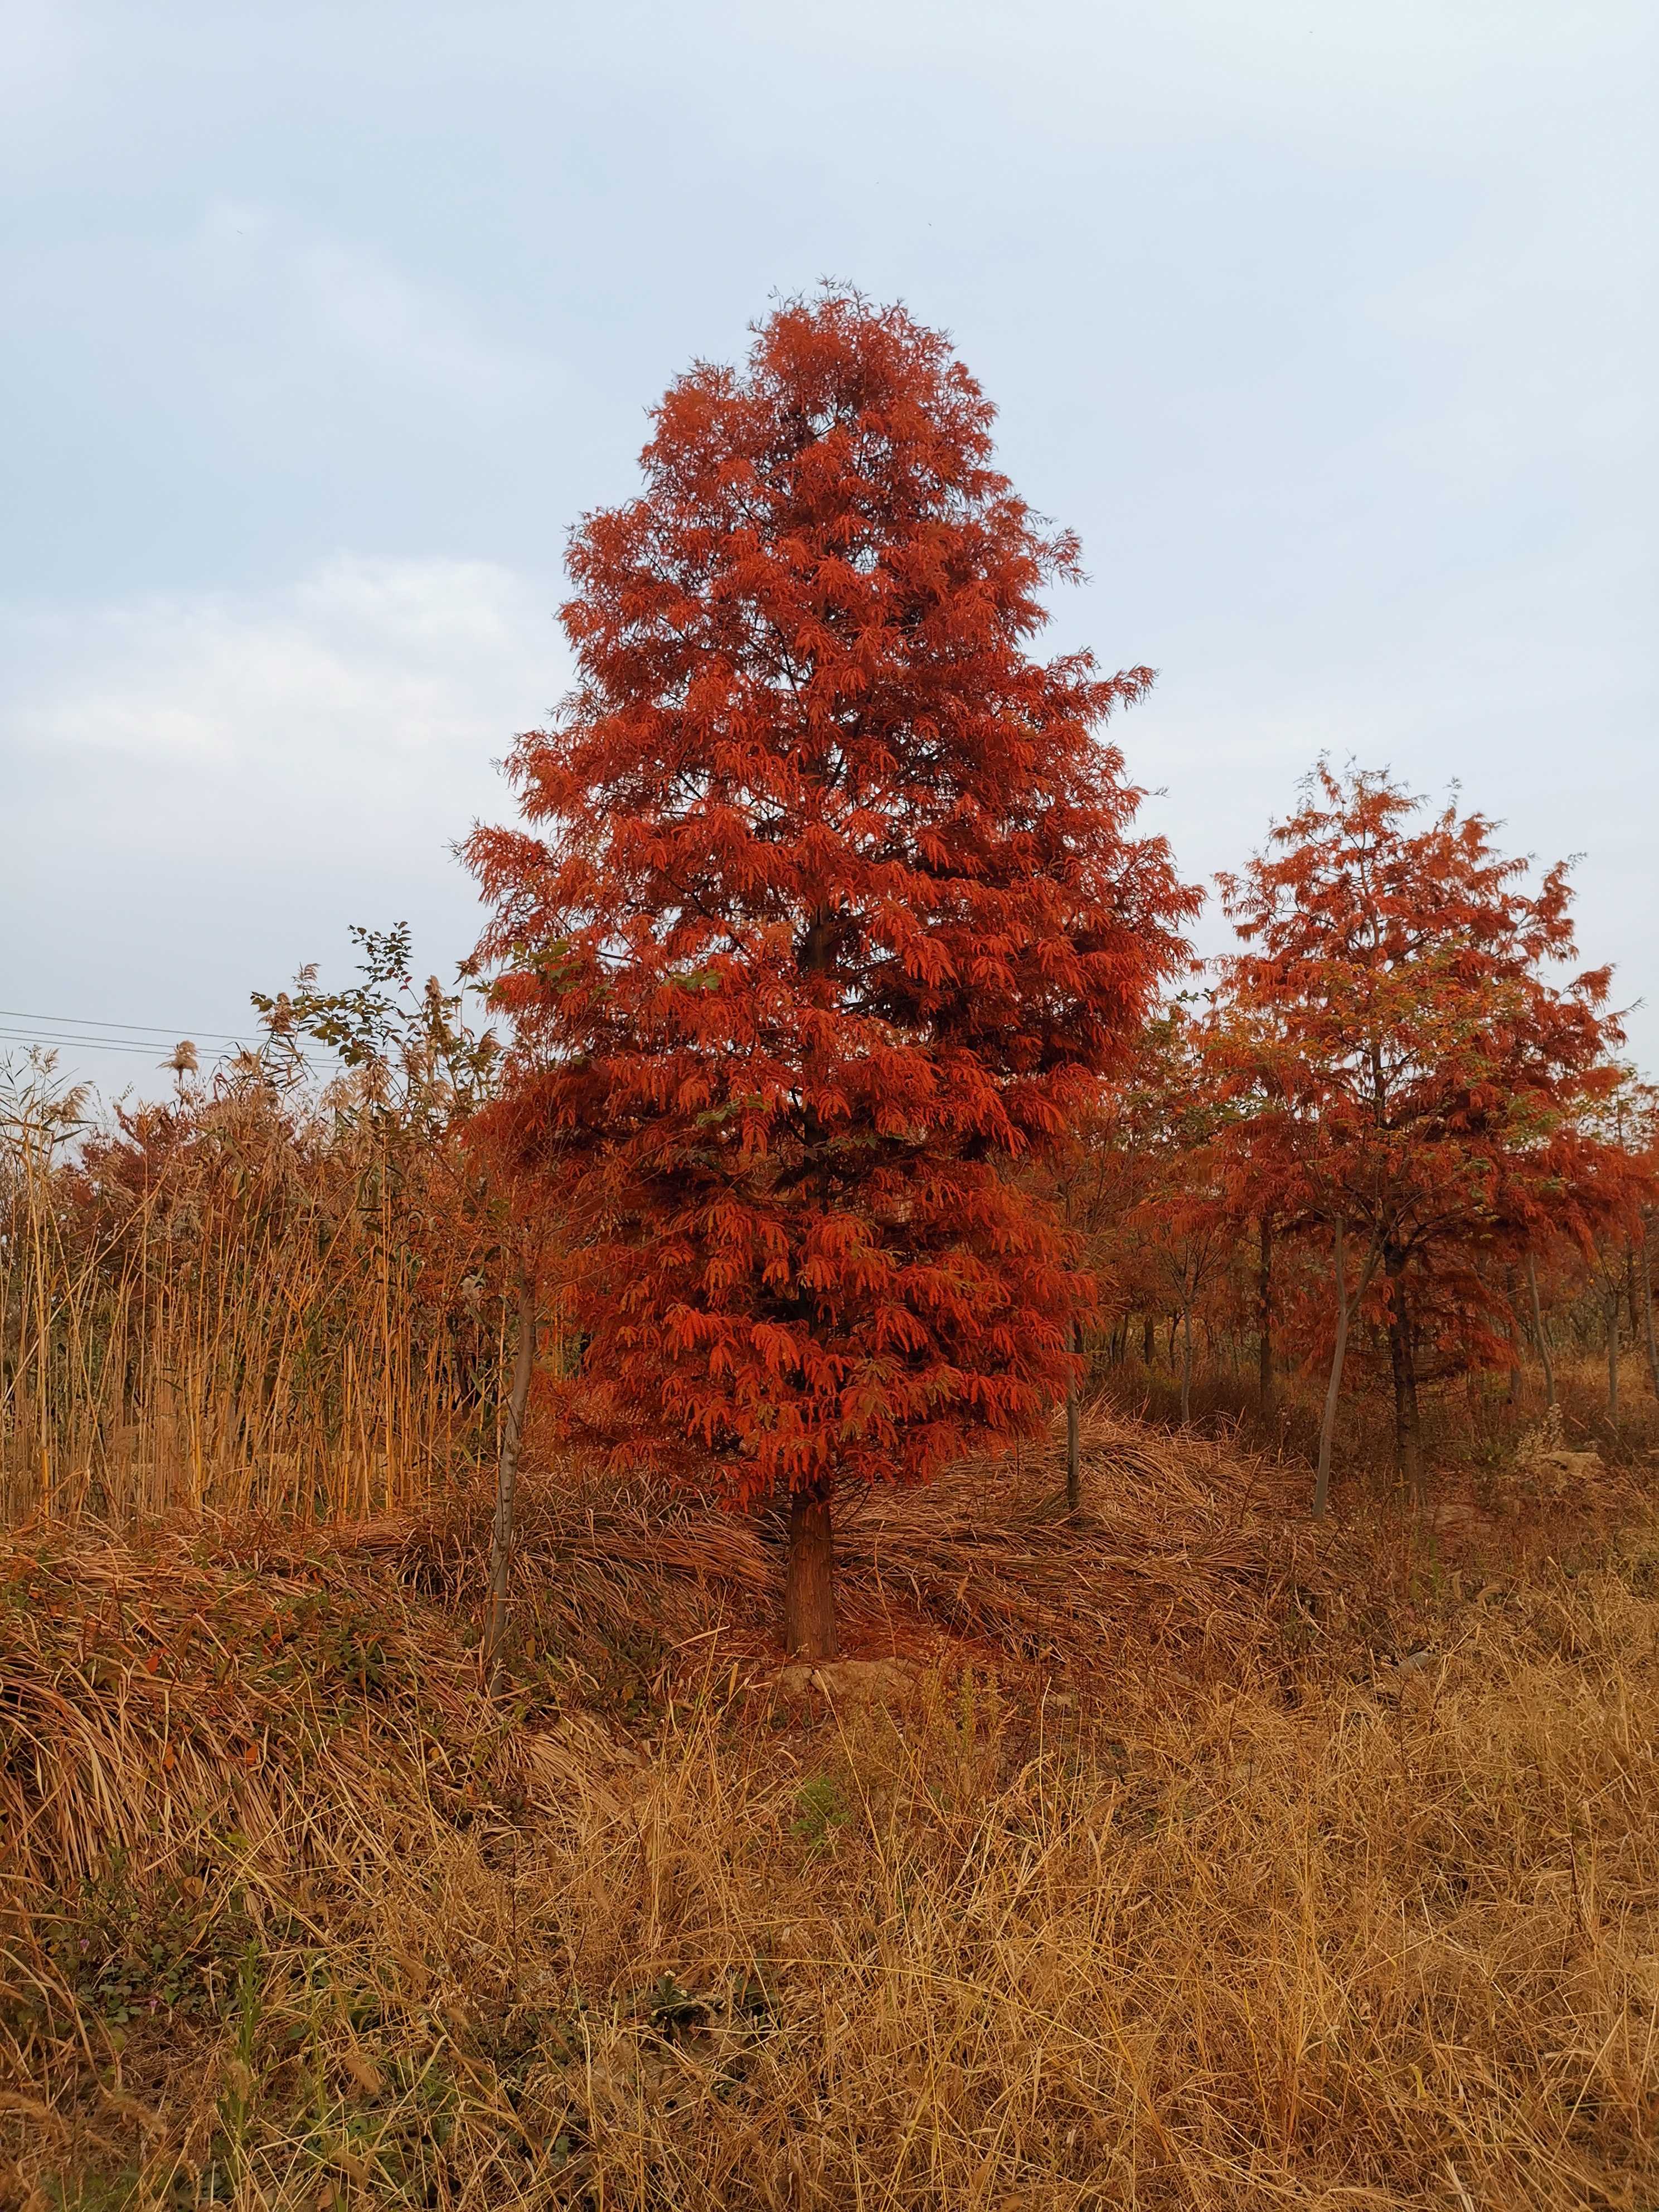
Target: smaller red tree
[
  {"x": 1420, "y": 1081},
  {"x": 829, "y": 913}
]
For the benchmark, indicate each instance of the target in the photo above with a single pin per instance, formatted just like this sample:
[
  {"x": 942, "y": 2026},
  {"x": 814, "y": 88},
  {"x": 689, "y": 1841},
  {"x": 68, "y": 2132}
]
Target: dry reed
[{"x": 245, "y": 1302}]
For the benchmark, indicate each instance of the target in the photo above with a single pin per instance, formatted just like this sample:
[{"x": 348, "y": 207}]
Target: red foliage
[{"x": 834, "y": 912}]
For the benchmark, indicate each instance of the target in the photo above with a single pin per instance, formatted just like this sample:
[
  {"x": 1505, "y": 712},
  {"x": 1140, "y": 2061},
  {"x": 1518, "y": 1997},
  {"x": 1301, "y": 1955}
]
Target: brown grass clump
[{"x": 1169, "y": 1885}]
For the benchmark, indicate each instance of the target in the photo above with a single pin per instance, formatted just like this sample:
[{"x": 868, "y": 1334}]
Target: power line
[
  {"x": 93, "y": 1043},
  {"x": 136, "y": 1047},
  {"x": 140, "y": 1029},
  {"x": 84, "y": 1043}
]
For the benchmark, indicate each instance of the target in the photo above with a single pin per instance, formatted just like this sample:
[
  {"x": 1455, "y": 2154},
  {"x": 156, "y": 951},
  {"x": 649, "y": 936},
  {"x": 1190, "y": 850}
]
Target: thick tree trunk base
[{"x": 809, "y": 1579}]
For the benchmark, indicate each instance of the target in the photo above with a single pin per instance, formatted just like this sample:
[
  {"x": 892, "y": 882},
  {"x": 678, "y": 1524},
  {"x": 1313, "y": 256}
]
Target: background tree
[
  {"x": 1621, "y": 1128},
  {"x": 1170, "y": 1117},
  {"x": 1417, "y": 1067},
  {"x": 834, "y": 913}
]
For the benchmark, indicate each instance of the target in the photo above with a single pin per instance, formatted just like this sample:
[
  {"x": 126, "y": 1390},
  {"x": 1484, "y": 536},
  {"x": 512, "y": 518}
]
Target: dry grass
[{"x": 1170, "y": 1887}]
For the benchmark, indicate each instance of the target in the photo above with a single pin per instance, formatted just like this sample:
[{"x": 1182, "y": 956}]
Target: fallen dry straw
[
  {"x": 1180, "y": 1543},
  {"x": 151, "y": 1694},
  {"x": 1177, "y": 1541}
]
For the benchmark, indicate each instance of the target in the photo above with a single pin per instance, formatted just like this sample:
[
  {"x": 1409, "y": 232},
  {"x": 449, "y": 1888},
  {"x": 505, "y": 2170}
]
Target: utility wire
[
  {"x": 141, "y": 1029},
  {"x": 85, "y": 1044},
  {"x": 141, "y": 1041},
  {"x": 92, "y": 1043}
]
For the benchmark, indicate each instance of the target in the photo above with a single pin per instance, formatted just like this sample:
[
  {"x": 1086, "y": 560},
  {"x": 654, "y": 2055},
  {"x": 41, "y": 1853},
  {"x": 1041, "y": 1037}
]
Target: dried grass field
[{"x": 1183, "y": 1856}]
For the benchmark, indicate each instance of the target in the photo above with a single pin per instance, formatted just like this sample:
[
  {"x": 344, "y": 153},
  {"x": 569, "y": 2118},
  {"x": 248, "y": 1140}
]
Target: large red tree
[{"x": 830, "y": 910}]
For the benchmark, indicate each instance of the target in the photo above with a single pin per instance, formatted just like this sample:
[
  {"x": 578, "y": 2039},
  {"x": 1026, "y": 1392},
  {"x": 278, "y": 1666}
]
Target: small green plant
[
  {"x": 673, "y": 2011},
  {"x": 820, "y": 1810},
  {"x": 132, "y": 1952}
]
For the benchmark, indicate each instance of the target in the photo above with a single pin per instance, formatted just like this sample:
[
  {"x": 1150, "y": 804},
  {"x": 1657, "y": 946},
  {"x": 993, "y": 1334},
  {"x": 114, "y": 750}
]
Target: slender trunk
[
  {"x": 1073, "y": 1441},
  {"x": 507, "y": 1487},
  {"x": 1402, "y": 1354},
  {"x": 1146, "y": 1339},
  {"x": 1186, "y": 1362},
  {"x": 1416, "y": 1472},
  {"x": 1611, "y": 1301},
  {"x": 1538, "y": 1337},
  {"x": 809, "y": 1579},
  {"x": 1264, "y": 1317},
  {"x": 1515, "y": 1338},
  {"x": 1333, "y": 1388},
  {"x": 1652, "y": 1349},
  {"x": 1338, "y": 1352}
]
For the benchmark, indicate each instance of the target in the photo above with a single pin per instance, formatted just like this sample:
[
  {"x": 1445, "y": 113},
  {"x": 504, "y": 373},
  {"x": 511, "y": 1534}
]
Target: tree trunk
[
  {"x": 1146, "y": 1339},
  {"x": 1538, "y": 1337},
  {"x": 492, "y": 1649},
  {"x": 1333, "y": 1388},
  {"x": 809, "y": 1579},
  {"x": 1402, "y": 1353},
  {"x": 1652, "y": 1349},
  {"x": 1186, "y": 1363},
  {"x": 1073, "y": 1441},
  {"x": 1264, "y": 1317},
  {"x": 1338, "y": 1352},
  {"x": 1611, "y": 1300},
  {"x": 1514, "y": 1393}
]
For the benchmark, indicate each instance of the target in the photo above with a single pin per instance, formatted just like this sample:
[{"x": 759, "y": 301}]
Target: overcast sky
[{"x": 1330, "y": 326}]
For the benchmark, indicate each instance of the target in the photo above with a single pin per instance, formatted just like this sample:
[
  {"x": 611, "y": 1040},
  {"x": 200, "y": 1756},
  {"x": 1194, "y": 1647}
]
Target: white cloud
[
  {"x": 363, "y": 669},
  {"x": 204, "y": 789}
]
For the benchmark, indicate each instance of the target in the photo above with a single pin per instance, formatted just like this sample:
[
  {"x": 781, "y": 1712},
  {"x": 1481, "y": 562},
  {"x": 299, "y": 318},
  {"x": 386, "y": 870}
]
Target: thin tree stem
[
  {"x": 1538, "y": 1337},
  {"x": 507, "y": 1487},
  {"x": 1339, "y": 1354},
  {"x": 1074, "y": 1439}
]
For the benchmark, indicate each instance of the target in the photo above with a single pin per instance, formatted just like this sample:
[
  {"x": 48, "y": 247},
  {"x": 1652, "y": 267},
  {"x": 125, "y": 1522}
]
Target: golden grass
[{"x": 1155, "y": 1893}]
